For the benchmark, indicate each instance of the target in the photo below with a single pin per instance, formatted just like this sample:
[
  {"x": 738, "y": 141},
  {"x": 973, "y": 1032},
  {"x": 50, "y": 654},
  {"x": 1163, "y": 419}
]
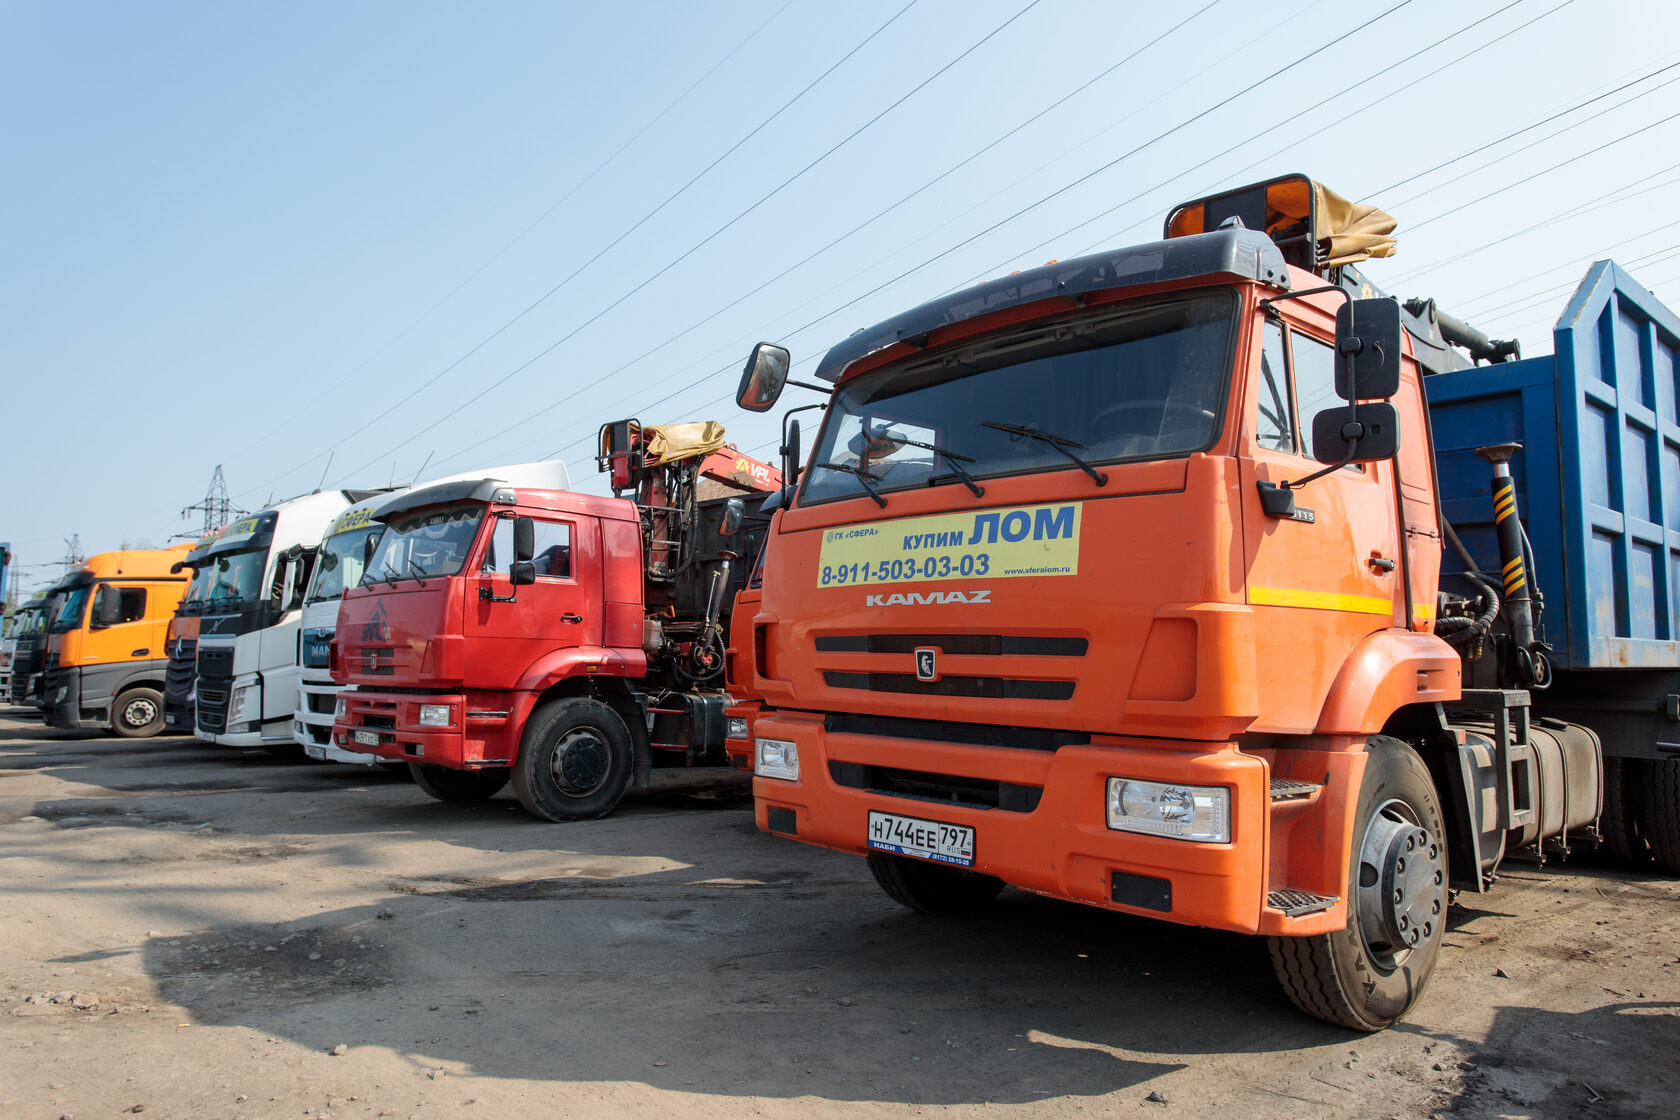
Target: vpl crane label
[{"x": 995, "y": 543}]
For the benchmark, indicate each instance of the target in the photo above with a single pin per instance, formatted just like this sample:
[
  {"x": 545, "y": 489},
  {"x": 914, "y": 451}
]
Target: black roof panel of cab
[{"x": 1237, "y": 252}]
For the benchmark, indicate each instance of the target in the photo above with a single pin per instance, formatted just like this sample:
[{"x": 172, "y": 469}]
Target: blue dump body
[{"x": 1598, "y": 478}]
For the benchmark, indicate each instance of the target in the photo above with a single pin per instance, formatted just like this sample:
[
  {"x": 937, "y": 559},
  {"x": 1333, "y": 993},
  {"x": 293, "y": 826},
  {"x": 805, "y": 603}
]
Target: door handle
[
  {"x": 140, "y": 652},
  {"x": 1381, "y": 564},
  {"x": 571, "y": 618}
]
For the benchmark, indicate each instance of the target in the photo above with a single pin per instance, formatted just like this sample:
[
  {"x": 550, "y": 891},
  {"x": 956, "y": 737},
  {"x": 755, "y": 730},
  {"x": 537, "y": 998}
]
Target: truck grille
[
  {"x": 967, "y": 645},
  {"x": 989, "y": 688},
  {"x": 178, "y": 676},
  {"x": 949, "y": 789},
  {"x": 320, "y": 703},
  {"x": 951, "y": 731},
  {"x": 213, "y": 693},
  {"x": 215, "y": 662}
]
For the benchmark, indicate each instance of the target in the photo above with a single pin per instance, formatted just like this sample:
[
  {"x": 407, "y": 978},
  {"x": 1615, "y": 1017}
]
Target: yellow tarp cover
[
  {"x": 1356, "y": 231},
  {"x": 669, "y": 443}
]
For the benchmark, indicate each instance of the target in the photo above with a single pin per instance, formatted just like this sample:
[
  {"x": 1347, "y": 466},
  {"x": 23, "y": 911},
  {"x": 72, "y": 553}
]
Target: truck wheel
[
  {"x": 930, "y": 888},
  {"x": 137, "y": 713},
  {"x": 459, "y": 785},
  {"x": 1369, "y": 974},
  {"x": 574, "y": 760},
  {"x": 1661, "y": 816},
  {"x": 1620, "y": 822}
]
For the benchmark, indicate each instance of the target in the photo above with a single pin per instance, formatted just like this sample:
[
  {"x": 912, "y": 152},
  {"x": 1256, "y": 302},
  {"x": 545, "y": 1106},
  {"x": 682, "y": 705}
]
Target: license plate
[
  {"x": 366, "y": 738},
  {"x": 319, "y": 754},
  {"x": 912, "y": 836}
]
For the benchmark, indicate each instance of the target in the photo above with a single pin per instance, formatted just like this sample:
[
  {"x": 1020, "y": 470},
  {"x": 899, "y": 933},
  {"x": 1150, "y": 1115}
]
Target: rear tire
[
  {"x": 137, "y": 713},
  {"x": 929, "y": 888},
  {"x": 459, "y": 785},
  {"x": 1371, "y": 973},
  {"x": 1661, "y": 812},
  {"x": 1619, "y": 824},
  {"x": 574, "y": 760}
]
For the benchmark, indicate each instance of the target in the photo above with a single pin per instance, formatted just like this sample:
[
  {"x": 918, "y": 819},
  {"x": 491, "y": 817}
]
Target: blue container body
[{"x": 1598, "y": 477}]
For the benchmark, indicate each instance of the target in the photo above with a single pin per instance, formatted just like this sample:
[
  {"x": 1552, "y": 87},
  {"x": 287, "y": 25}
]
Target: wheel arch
[
  {"x": 616, "y": 693},
  {"x": 1389, "y": 671}
]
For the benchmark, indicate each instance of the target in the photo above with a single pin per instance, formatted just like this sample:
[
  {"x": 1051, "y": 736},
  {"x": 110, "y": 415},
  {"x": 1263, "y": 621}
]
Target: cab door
[
  {"x": 1321, "y": 581},
  {"x": 117, "y": 626},
  {"x": 509, "y": 629}
]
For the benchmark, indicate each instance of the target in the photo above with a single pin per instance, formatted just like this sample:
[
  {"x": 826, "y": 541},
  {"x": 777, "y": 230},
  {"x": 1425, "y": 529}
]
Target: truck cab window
[
  {"x": 1315, "y": 382},
  {"x": 1273, "y": 427},
  {"x": 552, "y": 552}
]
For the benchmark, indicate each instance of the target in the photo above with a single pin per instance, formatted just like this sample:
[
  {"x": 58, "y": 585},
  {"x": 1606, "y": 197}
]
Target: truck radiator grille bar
[
  {"x": 972, "y": 645},
  {"x": 950, "y": 731},
  {"x": 215, "y": 662},
  {"x": 948, "y": 789},
  {"x": 990, "y": 688}
]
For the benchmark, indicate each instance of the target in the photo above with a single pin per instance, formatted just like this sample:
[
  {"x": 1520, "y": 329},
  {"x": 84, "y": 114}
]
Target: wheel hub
[
  {"x": 1402, "y": 884},
  {"x": 138, "y": 713},
  {"x": 581, "y": 762}
]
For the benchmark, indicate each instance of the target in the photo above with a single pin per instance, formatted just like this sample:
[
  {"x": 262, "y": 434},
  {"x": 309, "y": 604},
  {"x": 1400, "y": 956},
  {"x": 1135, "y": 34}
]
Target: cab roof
[{"x": 1242, "y": 253}]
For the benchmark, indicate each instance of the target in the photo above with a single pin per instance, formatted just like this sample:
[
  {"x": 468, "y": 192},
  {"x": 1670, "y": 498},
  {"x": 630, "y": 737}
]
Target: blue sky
[{"x": 238, "y": 233}]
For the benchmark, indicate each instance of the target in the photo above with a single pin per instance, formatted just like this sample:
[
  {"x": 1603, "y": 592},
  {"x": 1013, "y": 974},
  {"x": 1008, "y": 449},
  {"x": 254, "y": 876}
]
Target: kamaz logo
[
  {"x": 377, "y": 628},
  {"x": 925, "y": 598}
]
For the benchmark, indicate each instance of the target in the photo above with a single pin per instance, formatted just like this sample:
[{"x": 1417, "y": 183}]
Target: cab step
[
  {"x": 1285, "y": 790},
  {"x": 1295, "y": 904}
]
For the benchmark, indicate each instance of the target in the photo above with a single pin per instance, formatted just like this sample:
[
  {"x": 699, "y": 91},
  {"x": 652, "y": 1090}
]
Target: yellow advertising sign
[
  {"x": 241, "y": 528},
  {"x": 1010, "y": 543},
  {"x": 352, "y": 519}
]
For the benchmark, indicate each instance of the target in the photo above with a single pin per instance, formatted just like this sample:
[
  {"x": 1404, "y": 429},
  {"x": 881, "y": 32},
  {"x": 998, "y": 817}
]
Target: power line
[
  {"x": 877, "y": 216},
  {"x": 1089, "y": 175},
  {"x": 522, "y": 234},
  {"x": 715, "y": 233},
  {"x": 575, "y": 272}
]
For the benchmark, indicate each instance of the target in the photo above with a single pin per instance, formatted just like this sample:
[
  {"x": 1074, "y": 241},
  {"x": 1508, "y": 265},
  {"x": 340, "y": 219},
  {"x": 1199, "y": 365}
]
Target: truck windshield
[
  {"x": 70, "y": 614},
  {"x": 198, "y": 584},
  {"x": 339, "y": 565},
  {"x": 235, "y": 576},
  {"x": 428, "y": 542},
  {"x": 1143, "y": 381}
]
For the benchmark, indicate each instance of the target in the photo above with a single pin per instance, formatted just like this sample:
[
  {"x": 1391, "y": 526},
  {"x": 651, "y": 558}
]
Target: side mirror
[
  {"x": 368, "y": 547},
  {"x": 1373, "y": 429},
  {"x": 107, "y": 607},
  {"x": 524, "y": 542},
  {"x": 790, "y": 455},
  {"x": 733, "y": 514},
  {"x": 523, "y": 572},
  {"x": 763, "y": 378},
  {"x": 175, "y": 568},
  {"x": 1367, "y": 350}
]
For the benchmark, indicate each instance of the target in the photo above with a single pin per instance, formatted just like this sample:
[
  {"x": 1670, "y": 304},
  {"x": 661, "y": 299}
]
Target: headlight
[
  {"x": 236, "y": 705},
  {"x": 737, "y": 728},
  {"x": 341, "y": 710},
  {"x": 434, "y": 715},
  {"x": 1200, "y": 813},
  {"x": 777, "y": 758}
]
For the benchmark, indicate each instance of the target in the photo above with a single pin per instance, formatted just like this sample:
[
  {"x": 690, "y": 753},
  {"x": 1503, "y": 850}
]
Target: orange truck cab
[
  {"x": 1119, "y": 581},
  {"x": 106, "y": 660}
]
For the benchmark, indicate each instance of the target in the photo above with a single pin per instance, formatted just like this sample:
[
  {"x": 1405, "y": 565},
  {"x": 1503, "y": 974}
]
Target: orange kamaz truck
[
  {"x": 1141, "y": 580},
  {"x": 105, "y": 657}
]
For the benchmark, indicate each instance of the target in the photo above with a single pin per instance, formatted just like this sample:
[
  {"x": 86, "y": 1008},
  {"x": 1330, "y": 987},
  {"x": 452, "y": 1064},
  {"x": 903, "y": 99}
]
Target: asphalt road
[{"x": 191, "y": 931}]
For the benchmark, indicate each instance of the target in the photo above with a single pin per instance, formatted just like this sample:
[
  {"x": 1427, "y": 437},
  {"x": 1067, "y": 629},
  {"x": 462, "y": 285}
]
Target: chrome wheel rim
[{"x": 139, "y": 712}]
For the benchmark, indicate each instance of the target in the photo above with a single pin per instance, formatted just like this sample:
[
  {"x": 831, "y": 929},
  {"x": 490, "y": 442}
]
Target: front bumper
[
  {"x": 63, "y": 692},
  {"x": 312, "y": 723},
  {"x": 482, "y": 731},
  {"x": 1060, "y": 846}
]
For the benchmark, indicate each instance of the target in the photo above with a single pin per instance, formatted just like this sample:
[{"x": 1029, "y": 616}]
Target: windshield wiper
[
  {"x": 390, "y": 574},
  {"x": 419, "y": 572},
  {"x": 1060, "y": 443},
  {"x": 863, "y": 478},
  {"x": 950, "y": 457}
]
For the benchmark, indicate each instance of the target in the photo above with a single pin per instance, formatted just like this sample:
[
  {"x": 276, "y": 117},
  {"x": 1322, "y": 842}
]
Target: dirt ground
[{"x": 193, "y": 931}]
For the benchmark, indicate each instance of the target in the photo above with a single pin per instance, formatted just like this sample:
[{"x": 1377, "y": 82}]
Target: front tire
[
  {"x": 574, "y": 760},
  {"x": 137, "y": 713},
  {"x": 1368, "y": 975},
  {"x": 930, "y": 888},
  {"x": 459, "y": 785}
]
